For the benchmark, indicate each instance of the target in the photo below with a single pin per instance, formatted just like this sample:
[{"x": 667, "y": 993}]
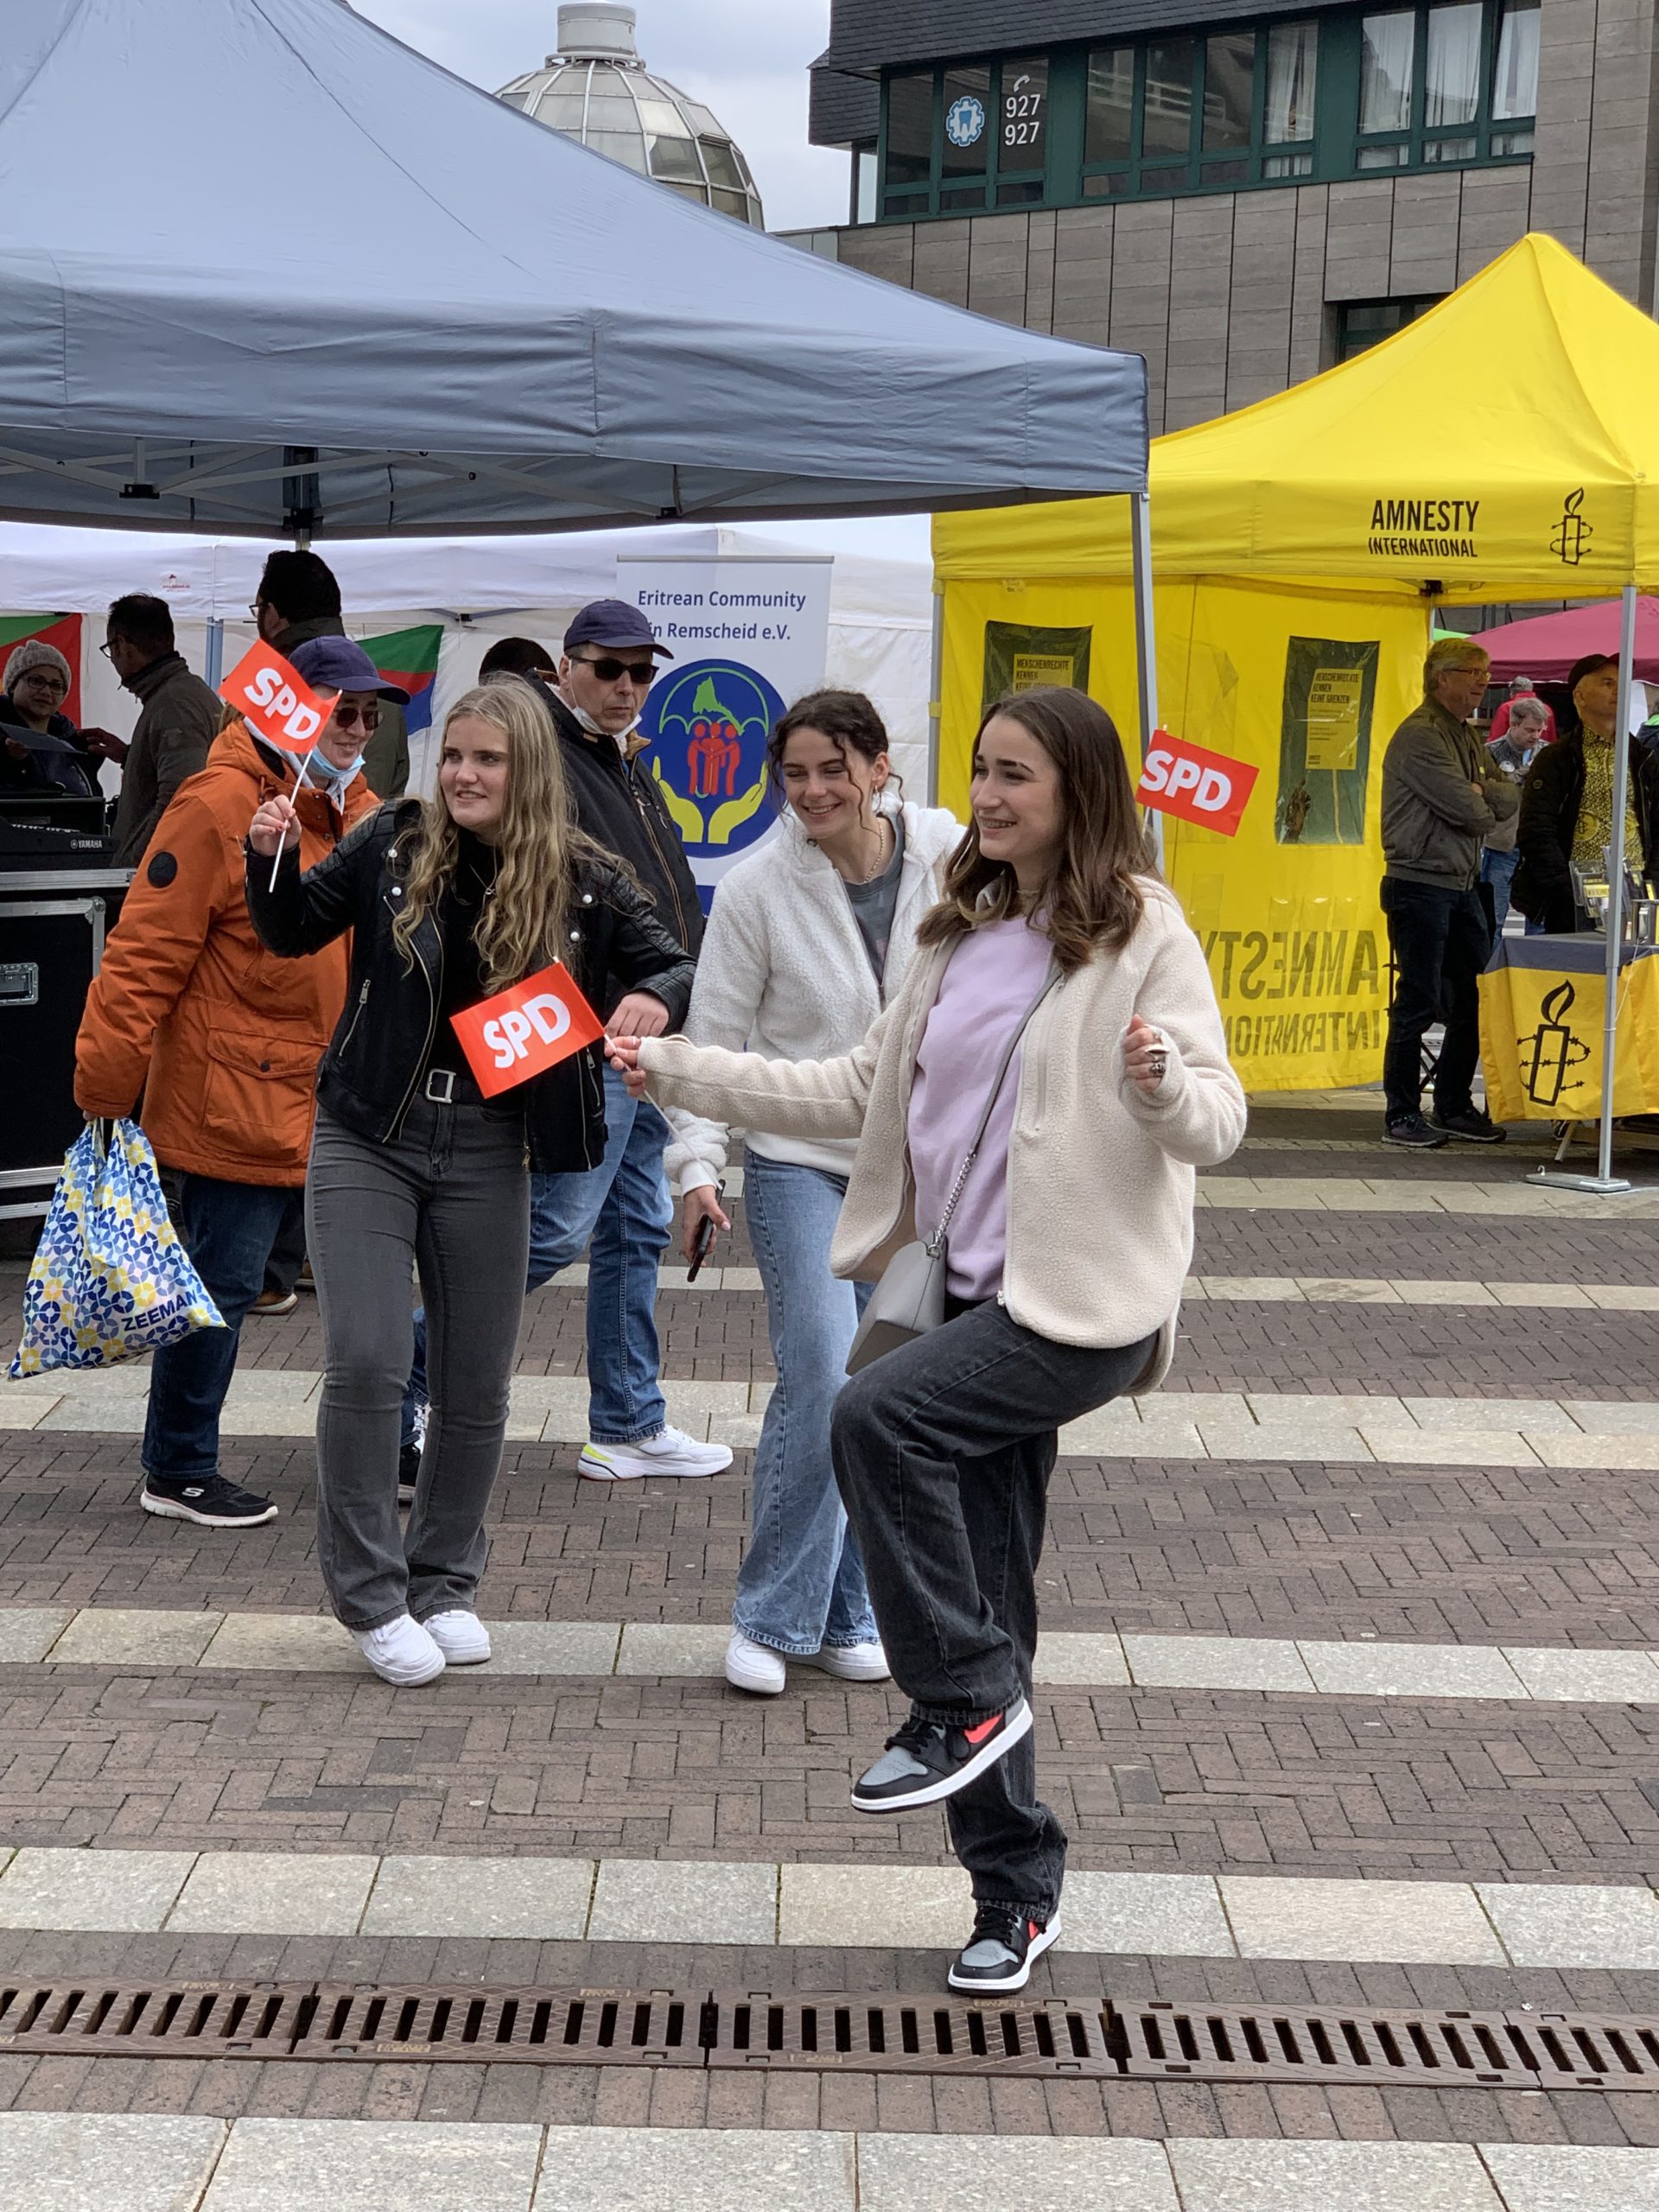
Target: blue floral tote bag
[{"x": 109, "y": 1278}]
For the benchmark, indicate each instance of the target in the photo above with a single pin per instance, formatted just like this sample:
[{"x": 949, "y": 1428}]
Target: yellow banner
[
  {"x": 1309, "y": 687},
  {"x": 1541, "y": 1039}
]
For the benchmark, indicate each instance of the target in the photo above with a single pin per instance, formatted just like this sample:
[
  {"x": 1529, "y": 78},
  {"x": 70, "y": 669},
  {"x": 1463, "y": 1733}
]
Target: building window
[
  {"x": 1196, "y": 115},
  {"x": 1438, "y": 83},
  {"x": 1361, "y": 324},
  {"x": 862, "y": 209}
]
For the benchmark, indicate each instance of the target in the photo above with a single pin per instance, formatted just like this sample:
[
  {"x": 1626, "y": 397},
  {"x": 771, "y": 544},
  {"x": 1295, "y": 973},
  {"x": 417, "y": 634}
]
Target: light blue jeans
[
  {"x": 801, "y": 1584},
  {"x": 620, "y": 1214}
]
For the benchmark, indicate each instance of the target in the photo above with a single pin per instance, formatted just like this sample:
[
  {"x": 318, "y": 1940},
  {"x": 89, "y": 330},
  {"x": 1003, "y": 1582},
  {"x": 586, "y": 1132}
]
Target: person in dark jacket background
[
  {"x": 179, "y": 718},
  {"x": 1441, "y": 797},
  {"x": 448, "y": 901},
  {"x": 41, "y": 749},
  {"x": 298, "y": 600},
  {"x": 1567, "y": 806},
  {"x": 621, "y": 1213}
]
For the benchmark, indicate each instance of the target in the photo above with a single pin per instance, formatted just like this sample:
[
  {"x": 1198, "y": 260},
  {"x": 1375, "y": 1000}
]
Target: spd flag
[
  {"x": 1208, "y": 789},
  {"x": 275, "y": 702},
  {"x": 526, "y": 1029}
]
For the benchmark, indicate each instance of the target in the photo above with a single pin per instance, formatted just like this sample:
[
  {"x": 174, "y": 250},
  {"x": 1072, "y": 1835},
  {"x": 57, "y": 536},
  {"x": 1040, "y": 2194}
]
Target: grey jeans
[{"x": 451, "y": 1193}]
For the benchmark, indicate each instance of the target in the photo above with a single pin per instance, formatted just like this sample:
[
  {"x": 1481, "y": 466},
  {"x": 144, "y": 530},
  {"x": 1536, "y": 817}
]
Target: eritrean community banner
[
  {"x": 62, "y": 631},
  {"x": 748, "y": 637},
  {"x": 1543, "y": 1006},
  {"x": 409, "y": 659}
]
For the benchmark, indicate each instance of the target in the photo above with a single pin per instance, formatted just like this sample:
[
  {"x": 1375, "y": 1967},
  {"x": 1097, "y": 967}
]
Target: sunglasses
[
  {"x": 610, "y": 671},
  {"x": 352, "y": 717}
]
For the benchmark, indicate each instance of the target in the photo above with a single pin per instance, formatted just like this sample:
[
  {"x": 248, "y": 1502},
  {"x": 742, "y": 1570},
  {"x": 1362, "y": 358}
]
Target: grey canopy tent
[{"x": 265, "y": 269}]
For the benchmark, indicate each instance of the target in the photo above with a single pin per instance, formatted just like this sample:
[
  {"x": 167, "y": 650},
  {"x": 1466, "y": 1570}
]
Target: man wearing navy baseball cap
[{"x": 620, "y": 1213}]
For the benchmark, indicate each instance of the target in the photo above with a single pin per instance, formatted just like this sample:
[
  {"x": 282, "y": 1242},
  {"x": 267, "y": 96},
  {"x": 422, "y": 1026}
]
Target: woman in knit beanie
[{"x": 40, "y": 746}]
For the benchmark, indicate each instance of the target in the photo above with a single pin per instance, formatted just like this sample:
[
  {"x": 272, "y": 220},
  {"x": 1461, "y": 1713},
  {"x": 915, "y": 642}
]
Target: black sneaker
[
  {"x": 409, "y": 1472},
  {"x": 1413, "y": 1131},
  {"x": 213, "y": 1502},
  {"x": 1474, "y": 1125},
  {"x": 999, "y": 1954},
  {"x": 925, "y": 1762}
]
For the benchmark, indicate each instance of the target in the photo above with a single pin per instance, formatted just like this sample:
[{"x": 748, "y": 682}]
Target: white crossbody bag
[{"x": 909, "y": 1300}]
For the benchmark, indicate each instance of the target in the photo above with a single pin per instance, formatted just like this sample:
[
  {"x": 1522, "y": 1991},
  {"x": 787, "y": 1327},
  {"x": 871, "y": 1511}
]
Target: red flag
[
  {"x": 275, "y": 702},
  {"x": 527, "y": 1030},
  {"x": 1211, "y": 789}
]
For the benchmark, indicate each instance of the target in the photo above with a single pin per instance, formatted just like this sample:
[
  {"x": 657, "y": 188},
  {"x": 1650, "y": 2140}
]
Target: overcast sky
[{"x": 745, "y": 59}]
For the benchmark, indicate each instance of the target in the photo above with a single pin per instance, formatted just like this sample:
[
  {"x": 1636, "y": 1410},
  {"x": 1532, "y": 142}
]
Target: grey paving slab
[
  {"x": 544, "y": 1897},
  {"x": 27, "y": 1632},
  {"x": 106, "y": 2161},
  {"x": 553, "y": 1647},
  {"x": 1411, "y": 1670},
  {"x": 946, "y": 2173},
  {"x": 113, "y": 1636},
  {"x": 274, "y": 2165},
  {"x": 1636, "y": 1454},
  {"x": 1215, "y": 1662},
  {"x": 274, "y": 1893},
  {"x": 1171, "y": 1916},
  {"x": 1586, "y": 1924},
  {"x": 684, "y": 1901},
  {"x": 659, "y": 1648},
  {"x": 1573, "y": 2177},
  {"x": 1451, "y": 1447},
  {"x": 1240, "y": 2175},
  {"x": 286, "y": 1641},
  {"x": 1588, "y": 1677},
  {"x": 1065, "y": 1657},
  {"x": 913, "y": 1908},
  {"x": 115, "y": 1891},
  {"x": 1614, "y": 1416},
  {"x": 649, "y": 2169},
  {"x": 1406, "y": 1924}
]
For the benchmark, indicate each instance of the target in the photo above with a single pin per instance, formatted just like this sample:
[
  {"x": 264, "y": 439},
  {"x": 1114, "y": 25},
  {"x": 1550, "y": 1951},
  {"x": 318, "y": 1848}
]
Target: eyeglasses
[
  {"x": 45, "y": 679},
  {"x": 256, "y": 607},
  {"x": 353, "y": 717},
  {"x": 610, "y": 671}
]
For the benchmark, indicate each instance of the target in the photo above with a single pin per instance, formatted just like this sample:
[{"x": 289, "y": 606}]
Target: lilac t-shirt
[{"x": 993, "y": 976}]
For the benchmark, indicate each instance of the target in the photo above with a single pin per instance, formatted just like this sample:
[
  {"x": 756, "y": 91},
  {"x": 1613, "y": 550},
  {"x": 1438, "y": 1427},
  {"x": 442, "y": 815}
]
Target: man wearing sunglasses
[
  {"x": 620, "y": 1213},
  {"x": 223, "y": 1043}
]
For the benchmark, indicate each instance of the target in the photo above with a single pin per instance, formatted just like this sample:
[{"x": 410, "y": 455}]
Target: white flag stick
[{"x": 281, "y": 843}]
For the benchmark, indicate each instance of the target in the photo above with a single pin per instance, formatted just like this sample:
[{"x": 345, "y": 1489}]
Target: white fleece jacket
[
  {"x": 783, "y": 972},
  {"x": 1101, "y": 1182}
]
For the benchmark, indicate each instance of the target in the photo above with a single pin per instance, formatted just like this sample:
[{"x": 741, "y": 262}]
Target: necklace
[{"x": 883, "y": 855}]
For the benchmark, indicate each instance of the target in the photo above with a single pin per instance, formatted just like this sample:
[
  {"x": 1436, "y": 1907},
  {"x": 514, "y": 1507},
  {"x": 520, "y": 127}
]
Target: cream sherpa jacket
[
  {"x": 1101, "y": 1176},
  {"x": 783, "y": 972}
]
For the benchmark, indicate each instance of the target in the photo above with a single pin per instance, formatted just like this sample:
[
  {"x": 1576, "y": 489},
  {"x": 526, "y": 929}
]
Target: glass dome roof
[{"x": 596, "y": 89}]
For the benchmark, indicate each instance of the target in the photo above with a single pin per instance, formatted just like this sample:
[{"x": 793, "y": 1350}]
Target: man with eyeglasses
[
  {"x": 298, "y": 600},
  {"x": 620, "y": 1213},
  {"x": 178, "y": 719},
  {"x": 222, "y": 1042}
]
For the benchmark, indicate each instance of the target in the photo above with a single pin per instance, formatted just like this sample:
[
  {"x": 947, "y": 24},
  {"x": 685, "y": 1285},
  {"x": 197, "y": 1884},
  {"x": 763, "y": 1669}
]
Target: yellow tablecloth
[{"x": 1542, "y": 1004}]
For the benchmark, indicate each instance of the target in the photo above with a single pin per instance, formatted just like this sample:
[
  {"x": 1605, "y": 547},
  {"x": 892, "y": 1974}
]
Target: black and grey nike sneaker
[
  {"x": 211, "y": 1502},
  {"x": 998, "y": 1955},
  {"x": 1474, "y": 1125},
  {"x": 927, "y": 1761},
  {"x": 409, "y": 1472}
]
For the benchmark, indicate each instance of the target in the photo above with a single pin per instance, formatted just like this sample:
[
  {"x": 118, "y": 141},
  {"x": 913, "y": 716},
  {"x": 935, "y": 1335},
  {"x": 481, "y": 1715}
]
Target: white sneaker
[
  {"x": 670, "y": 1453},
  {"x": 401, "y": 1652},
  {"x": 753, "y": 1667},
  {"x": 852, "y": 1662},
  {"x": 462, "y": 1637}
]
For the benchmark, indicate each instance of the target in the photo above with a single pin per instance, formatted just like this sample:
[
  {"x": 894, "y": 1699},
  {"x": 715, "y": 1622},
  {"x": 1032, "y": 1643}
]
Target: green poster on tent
[
  {"x": 1325, "y": 741},
  {"x": 1019, "y": 656}
]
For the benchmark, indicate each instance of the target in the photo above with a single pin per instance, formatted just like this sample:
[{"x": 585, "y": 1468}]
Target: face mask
[
  {"x": 324, "y": 774},
  {"x": 596, "y": 728}
]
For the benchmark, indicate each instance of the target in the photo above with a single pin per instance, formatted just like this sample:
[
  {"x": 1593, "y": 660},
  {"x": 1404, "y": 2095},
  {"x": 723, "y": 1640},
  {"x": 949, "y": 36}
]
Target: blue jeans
[
  {"x": 801, "y": 1582},
  {"x": 620, "y": 1214},
  {"x": 228, "y": 1229},
  {"x": 1498, "y": 869}
]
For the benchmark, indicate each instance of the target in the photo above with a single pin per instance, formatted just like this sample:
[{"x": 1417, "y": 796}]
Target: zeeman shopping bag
[{"x": 111, "y": 1278}]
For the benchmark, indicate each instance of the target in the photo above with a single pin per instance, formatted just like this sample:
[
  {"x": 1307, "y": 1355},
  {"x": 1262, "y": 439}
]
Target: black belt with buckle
[{"x": 440, "y": 1086}]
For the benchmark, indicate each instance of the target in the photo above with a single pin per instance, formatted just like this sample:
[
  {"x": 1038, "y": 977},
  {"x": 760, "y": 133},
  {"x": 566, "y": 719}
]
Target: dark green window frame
[
  {"x": 1215, "y": 155},
  {"x": 1016, "y": 139}
]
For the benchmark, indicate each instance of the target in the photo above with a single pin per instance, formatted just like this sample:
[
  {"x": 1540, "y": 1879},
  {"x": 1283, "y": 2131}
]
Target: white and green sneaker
[{"x": 671, "y": 1451}]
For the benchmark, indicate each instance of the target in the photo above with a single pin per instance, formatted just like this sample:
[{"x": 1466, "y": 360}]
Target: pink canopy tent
[{"x": 1545, "y": 646}]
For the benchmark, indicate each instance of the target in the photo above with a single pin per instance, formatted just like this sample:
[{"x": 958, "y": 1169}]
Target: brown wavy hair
[
  {"x": 539, "y": 846},
  {"x": 1094, "y": 896}
]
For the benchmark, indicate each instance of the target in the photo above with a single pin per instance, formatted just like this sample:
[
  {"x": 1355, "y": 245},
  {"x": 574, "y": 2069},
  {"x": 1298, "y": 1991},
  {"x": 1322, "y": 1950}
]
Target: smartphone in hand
[{"x": 706, "y": 1234}]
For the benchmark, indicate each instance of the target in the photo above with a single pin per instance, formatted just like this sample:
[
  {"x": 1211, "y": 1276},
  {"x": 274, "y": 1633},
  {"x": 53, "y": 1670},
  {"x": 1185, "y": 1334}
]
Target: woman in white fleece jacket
[
  {"x": 1068, "y": 1248},
  {"x": 808, "y": 941}
]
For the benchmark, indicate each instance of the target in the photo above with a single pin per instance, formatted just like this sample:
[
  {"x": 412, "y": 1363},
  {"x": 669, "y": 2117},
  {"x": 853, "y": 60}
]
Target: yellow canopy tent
[{"x": 1505, "y": 446}]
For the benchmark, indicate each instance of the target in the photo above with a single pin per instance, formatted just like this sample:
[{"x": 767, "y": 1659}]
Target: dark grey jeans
[
  {"x": 943, "y": 1450},
  {"x": 451, "y": 1194}
]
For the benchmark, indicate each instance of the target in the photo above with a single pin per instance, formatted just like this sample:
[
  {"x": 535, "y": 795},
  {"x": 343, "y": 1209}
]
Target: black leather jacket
[{"x": 371, "y": 1069}]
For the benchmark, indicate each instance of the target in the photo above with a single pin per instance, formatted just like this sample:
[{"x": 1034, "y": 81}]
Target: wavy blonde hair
[{"x": 539, "y": 844}]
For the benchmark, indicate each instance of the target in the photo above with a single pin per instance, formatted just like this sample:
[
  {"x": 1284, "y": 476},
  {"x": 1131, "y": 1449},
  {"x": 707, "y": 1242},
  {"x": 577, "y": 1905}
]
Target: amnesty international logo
[
  {"x": 707, "y": 726},
  {"x": 1551, "y": 1051},
  {"x": 1570, "y": 539}
]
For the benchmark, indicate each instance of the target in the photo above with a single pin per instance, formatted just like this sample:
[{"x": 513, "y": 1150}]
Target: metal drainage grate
[{"x": 760, "y": 2030}]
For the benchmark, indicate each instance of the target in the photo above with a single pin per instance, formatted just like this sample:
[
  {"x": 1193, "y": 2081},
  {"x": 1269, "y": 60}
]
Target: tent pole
[
  {"x": 213, "y": 663},
  {"x": 1604, "y": 1183},
  {"x": 1145, "y": 644},
  {"x": 935, "y": 695}
]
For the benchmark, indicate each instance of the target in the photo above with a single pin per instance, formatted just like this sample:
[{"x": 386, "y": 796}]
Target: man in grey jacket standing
[
  {"x": 1442, "y": 795},
  {"x": 177, "y": 723}
]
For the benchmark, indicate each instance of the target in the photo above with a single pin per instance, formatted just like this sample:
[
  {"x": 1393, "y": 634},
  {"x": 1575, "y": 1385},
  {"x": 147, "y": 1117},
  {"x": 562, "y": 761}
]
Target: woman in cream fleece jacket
[
  {"x": 808, "y": 941},
  {"x": 1069, "y": 1244}
]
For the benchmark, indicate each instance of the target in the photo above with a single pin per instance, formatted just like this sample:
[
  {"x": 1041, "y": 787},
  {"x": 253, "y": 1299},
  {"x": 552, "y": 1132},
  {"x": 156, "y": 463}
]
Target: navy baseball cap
[
  {"x": 613, "y": 622},
  {"x": 341, "y": 664}
]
